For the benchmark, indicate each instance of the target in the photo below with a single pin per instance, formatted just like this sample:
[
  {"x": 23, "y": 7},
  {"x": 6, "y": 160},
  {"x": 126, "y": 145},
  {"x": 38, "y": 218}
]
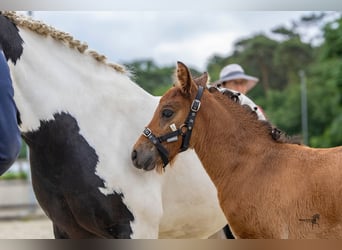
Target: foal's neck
[{"x": 226, "y": 139}]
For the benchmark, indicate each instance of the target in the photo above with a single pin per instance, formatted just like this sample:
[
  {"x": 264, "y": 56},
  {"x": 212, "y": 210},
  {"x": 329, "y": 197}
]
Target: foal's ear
[
  {"x": 184, "y": 78},
  {"x": 202, "y": 80}
]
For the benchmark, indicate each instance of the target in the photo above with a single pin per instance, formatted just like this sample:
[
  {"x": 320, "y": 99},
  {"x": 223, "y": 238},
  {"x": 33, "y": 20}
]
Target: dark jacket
[{"x": 10, "y": 141}]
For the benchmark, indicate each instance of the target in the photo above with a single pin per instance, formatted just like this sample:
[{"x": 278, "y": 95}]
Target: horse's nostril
[{"x": 134, "y": 155}]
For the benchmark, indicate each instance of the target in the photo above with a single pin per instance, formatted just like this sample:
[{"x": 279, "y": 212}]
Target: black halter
[{"x": 184, "y": 130}]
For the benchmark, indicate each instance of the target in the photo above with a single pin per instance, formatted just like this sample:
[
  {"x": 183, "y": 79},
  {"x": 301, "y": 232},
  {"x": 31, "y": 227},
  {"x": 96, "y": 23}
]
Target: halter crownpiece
[{"x": 184, "y": 130}]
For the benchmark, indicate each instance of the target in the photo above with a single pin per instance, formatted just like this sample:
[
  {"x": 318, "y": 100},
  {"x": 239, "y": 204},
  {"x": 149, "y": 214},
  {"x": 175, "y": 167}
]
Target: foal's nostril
[
  {"x": 134, "y": 155},
  {"x": 142, "y": 160}
]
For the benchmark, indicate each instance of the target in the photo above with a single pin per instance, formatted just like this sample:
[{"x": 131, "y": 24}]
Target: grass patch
[{"x": 14, "y": 176}]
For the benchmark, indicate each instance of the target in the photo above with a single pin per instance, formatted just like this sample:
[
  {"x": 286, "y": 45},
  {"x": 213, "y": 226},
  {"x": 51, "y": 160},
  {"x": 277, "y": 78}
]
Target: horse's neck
[
  {"x": 225, "y": 141},
  {"x": 51, "y": 77}
]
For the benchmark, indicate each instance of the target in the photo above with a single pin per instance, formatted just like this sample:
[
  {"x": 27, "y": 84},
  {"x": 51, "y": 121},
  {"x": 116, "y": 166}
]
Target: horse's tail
[{"x": 11, "y": 42}]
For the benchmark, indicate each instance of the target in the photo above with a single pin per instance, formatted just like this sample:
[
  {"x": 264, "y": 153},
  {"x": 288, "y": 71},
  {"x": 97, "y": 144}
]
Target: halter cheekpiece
[{"x": 184, "y": 130}]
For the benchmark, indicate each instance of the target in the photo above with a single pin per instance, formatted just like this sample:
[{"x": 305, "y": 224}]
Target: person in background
[
  {"x": 10, "y": 139},
  {"x": 233, "y": 77}
]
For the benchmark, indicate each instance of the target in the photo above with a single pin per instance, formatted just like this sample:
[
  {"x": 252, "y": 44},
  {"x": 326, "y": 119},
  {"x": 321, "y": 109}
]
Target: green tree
[
  {"x": 291, "y": 56},
  {"x": 151, "y": 77},
  {"x": 283, "y": 109},
  {"x": 215, "y": 64},
  {"x": 325, "y": 92},
  {"x": 255, "y": 54}
]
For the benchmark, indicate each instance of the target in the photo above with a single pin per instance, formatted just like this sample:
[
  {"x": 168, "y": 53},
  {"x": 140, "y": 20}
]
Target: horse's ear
[
  {"x": 184, "y": 78},
  {"x": 202, "y": 80}
]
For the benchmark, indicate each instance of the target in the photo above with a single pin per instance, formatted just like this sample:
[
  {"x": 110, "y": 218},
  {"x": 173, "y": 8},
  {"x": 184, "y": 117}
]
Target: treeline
[{"x": 282, "y": 60}]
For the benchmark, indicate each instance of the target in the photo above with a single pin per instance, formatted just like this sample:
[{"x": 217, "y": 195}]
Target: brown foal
[{"x": 266, "y": 189}]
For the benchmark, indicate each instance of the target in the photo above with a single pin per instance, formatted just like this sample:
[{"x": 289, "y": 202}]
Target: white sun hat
[{"x": 235, "y": 71}]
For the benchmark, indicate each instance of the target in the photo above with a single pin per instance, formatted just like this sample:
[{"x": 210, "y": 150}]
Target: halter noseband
[{"x": 184, "y": 130}]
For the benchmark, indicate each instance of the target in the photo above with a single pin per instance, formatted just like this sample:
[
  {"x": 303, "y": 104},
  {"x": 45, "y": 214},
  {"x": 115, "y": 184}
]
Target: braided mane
[{"x": 47, "y": 30}]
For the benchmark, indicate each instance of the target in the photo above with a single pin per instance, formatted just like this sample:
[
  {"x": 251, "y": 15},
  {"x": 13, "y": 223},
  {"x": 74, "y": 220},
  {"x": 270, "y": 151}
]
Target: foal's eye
[{"x": 167, "y": 113}]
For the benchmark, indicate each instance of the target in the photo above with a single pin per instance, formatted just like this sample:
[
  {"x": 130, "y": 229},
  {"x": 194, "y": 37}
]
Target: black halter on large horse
[{"x": 74, "y": 107}]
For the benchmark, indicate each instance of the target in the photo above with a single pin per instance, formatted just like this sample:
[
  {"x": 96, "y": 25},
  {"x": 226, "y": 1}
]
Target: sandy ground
[
  {"x": 25, "y": 223},
  {"x": 20, "y": 215},
  {"x": 26, "y": 229},
  {"x": 39, "y": 227}
]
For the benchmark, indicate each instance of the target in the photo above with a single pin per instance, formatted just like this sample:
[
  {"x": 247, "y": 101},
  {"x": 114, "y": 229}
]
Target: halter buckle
[
  {"x": 147, "y": 132},
  {"x": 195, "y": 106}
]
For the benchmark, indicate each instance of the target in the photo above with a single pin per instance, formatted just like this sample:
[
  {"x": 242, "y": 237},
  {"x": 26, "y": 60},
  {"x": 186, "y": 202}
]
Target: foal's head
[{"x": 165, "y": 135}]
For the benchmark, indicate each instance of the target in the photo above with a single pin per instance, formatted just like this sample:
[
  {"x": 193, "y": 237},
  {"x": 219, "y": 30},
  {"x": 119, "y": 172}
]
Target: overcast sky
[{"x": 165, "y": 36}]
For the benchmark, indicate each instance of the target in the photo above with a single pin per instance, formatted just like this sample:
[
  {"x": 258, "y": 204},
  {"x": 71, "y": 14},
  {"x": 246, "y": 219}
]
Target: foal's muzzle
[{"x": 144, "y": 158}]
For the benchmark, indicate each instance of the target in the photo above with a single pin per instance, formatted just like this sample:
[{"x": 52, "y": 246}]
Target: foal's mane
[
  {"x": 46, "y": 30},
  {"x": 249, "y": 116}
]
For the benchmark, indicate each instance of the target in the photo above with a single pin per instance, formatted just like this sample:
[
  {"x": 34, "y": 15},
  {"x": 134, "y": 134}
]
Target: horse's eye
[{"x": 167, "y": 113}]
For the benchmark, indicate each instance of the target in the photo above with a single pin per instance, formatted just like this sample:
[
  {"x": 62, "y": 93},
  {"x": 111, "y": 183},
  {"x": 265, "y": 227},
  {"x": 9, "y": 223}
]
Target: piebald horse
[
  {"x": 80, "y": 116},
  {"x": 266, "y": 188}
]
